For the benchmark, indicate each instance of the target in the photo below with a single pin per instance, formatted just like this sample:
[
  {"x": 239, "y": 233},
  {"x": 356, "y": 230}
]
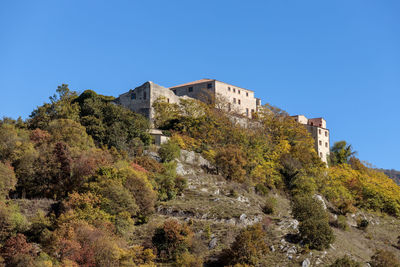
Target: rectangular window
[
  {"x": 234, "y": 90},
  {"x": 144, "y": 95},
  {"x": 326, "y": 133},
  {"x": 326, "y": 144},
  {"x": 247, "y": 111},
  {"x": 319, "y": 131},
  {"x": 190, "y": 89},
  {"x": 234, "y": 101},
  {"x": 239, "y": 101},
  {"x": 167, "y": 100},
  {"x": 229, "y": 106},
  {"x": 252, "y": 111},
  {"x": 133, "y": 96},
  {"x": 238, "y": 91},
  {"x": 320, "y": 142},
  {"x": 247, "y": 93},
  {"x": 209, "y": 85},
  {"x": 229, "y": 89}
]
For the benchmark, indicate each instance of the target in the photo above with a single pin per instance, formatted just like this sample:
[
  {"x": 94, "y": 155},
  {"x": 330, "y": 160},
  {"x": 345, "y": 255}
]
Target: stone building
[
  {"x": 318, "y": 130},
  {"x": 236, "y": 99},
  {"x": 233, "y": 98}
]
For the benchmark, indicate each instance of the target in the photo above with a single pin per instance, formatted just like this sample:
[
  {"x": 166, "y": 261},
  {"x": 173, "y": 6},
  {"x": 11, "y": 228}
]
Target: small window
[
  {"x": 209, "y": 85},
  {"x": 239, "y": 101},
  {"x": 133, "y": 96},
  {"x": 247, "y": 111},
  {"x": 252, "y": 111},
  {"x": 326, "y": 133},
  {"x": 229, "y": 89},
  {"x": 229, "y": 106},
  {"x": 320, "y": 142},
  {"x": 190, "y": 89},
  {"x": 247, "y": 93},
  {"x": 320, "y": 154},
  {"x": 234, "y": 101},
  {"x": 319, "y": 131},
  {"x": 238, "y": 91},
  {"x": 326, "y": 144},
  {"x": 234, "y": 90},
  {"x": 312, "y": 124},
  {"x": 144, "y": 95},
  {"x": 167, "y": 100}
]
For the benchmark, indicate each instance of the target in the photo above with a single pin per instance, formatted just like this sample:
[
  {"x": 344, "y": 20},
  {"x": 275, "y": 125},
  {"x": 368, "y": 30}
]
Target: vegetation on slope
[{"x": 85, "y": 155}]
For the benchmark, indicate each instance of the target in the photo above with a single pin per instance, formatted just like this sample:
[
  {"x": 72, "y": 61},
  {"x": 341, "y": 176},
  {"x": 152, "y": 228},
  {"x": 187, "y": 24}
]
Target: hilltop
[{"x": 82, "y": 184}]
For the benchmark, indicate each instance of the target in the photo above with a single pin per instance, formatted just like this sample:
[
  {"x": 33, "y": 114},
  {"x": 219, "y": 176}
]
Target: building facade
[
  {"x": 318, "y": 130},
  {"x": 227, "y": 96}
]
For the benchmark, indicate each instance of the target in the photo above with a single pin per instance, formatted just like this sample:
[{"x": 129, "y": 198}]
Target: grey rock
[
  {"x": 213, "y": 243},
  {"x": 306, "y": 263}
]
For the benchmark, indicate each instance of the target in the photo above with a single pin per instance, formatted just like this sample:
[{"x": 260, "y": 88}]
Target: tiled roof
[{"x": 195, "y": 82}]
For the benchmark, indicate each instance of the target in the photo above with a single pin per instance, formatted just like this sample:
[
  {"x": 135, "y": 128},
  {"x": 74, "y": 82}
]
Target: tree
[
  {"x": 230, "y": 161},
  {"x": 7, "y": 180},
  {"x": 172, "y": 239},
  {"x": 169, "y": 151},
  {"x": 249, "y": 246},
  {"x": 341, "y": 153}
]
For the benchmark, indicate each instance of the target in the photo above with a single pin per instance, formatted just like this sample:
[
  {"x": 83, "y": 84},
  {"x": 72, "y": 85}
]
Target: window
[
  {"x": 320, "y": 154},
  {"x": 326, "y": 133},
  {"x": 234, "y": 101},
  {"x": 238, "y": 91},
  {"x": 239, "y": 101},
  {"x": 229, "y": 106},
  {"x": 190, "y": 89},
  {"x": 252, "y": 111},
  {"x": 229, "y": 89},
  {"x": 319, "y": 131},
  {"x": 326, "y": 144},
  {"x": 312, "y": 124},
  {"x": 133, "y": 96},
  {"x": 144, "y": 95},
  {"x": 209, "y": 86},
  {"x": 247, "y": 93},
  {"x": 320, "y": 142},
  {"x": 234, "y": 90},
  {"x": 247, "y": 111},
  {"x": 167, "y": 100}
]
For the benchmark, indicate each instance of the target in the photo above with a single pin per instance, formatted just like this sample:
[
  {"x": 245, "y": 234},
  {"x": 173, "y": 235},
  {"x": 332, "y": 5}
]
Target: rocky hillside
[{"x": 218, "y": 210}]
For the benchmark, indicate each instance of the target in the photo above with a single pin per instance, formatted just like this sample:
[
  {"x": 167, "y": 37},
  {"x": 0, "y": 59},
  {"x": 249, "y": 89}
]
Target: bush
[
  {"x": 269, "y": 206},
  {"x": 384, "y": 258},
  {"x": 169, "y": 183},
  {"x": 341, "y": 223},
  {"x": 7, "y": 180},
  {"x": 345, "y": 262},
  {"x": 172, "y": 239},
  {"x": 189, "y": 260},
  {"x": 248, "y": 248},
  {"x": 230, "y": 162},
  {"x": 362, "y": 224},
  {"x": 314, "y": 223},
  {"x": 316, "y": 233},
  {"x": 169, "y": 151}
]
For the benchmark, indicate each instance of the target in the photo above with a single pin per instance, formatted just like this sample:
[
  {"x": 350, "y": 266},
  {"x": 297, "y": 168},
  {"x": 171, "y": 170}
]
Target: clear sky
[{"x": 335, "y": 59}]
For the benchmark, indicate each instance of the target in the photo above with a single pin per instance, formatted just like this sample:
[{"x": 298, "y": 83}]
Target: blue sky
[{"x": 335, "y": 59}]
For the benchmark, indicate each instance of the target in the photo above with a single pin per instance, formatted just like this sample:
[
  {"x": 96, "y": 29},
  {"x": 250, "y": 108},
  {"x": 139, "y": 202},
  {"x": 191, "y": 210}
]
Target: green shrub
[
  {"x": 169, "y": 151},
  {"x": 362, "y": 224},
  {"x": 345, "y": 262},
  {"x": 341, "y": 223},
  {"x": 261, "y": 189},
  {"x": 384, "y": 258},
  {"x": 269, "y": 206},
  {"x": 316, "y": 233},
  {"x": 314, "y": 227}
]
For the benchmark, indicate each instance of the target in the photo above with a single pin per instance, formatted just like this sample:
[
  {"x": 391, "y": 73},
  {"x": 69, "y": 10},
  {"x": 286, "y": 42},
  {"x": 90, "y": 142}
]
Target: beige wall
[
  {"x": 199, "y": 91},
  {"x": 321, "y": 138},
  {"x": 234, "y": 94}
]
